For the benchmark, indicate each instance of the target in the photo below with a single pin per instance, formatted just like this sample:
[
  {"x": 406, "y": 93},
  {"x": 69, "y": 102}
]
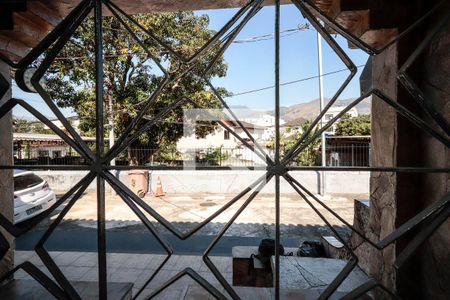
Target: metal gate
[{"x": 278, "y": 167}]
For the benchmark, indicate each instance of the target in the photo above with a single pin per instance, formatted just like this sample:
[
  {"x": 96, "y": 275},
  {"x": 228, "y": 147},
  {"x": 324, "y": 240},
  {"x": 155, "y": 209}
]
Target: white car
[{"x": 32, "y": 195}]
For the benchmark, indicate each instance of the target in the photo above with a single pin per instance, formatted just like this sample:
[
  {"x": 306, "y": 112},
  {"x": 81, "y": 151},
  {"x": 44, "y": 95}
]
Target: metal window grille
[{"x": 277, "y": 167}]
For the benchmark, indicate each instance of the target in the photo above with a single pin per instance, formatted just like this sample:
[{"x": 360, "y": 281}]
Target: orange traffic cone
[{"x": 159, "y": 190}]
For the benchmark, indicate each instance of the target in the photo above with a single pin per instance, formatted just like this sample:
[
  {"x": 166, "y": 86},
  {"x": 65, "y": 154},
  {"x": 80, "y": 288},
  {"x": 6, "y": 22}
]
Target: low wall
[{"x": 221, "y": 182}]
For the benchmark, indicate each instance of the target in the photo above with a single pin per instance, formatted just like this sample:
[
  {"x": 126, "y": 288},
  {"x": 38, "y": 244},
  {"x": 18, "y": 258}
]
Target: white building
[
  {"x": 73, "y": 120},
  {"x": 35, "y": 145},
  {"x": 333, "y": 112},
  {"x": 260, "y": 126},
  {"x": 222, "y": 137},
  {"x": 264, "y": 120},
  {"x": 225, "y": 140}
]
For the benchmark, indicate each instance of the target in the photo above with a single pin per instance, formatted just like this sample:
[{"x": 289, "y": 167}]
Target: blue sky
[{"x": 251, "y": 65}]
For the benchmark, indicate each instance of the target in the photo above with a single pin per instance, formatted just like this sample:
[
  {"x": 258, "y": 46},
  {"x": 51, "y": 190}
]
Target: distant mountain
[
  {"x": 295, "y": 122},
  {"x": 301, "y": 112}
]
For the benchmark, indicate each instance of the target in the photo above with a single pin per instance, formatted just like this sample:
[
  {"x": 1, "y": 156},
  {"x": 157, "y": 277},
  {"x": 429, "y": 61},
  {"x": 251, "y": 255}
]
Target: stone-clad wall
[
  {"x": 395, "y": 198},
  {"x": 383, "y": 186},
  {"x": 6, "y": 184}
]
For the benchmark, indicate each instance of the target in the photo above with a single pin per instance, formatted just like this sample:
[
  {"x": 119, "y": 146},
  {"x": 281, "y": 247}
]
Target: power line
[
  {"x": 270, "y": 36},
  {"x": 124, "y": 110},
  {"x": 288, "y": 83},
  {"x": 264, "y": 37},
  {"x": 263, "y": 88},
  {"x": 249, "y": 91},
  {"x": 260, "y": 38}
]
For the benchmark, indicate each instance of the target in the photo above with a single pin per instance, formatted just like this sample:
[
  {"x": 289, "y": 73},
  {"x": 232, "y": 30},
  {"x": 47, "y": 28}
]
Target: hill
[{"x": 309, "y": 110}]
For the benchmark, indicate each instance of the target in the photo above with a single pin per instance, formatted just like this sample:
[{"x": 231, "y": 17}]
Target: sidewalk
[
  {"x": 191, "y": 209},
  {"x": 134, "y": 268},
  {"x": 137, "y": 268}
]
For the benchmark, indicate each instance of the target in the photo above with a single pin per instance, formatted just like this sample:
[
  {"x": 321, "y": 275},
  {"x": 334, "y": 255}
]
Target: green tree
[
  {"x": 25, "y": 126},
  {"x": 308, "y": 156},
  {"x": 213, "y": 156},
  {"x": 351, "y": 126},
  {"x": 132, "y": 75}
]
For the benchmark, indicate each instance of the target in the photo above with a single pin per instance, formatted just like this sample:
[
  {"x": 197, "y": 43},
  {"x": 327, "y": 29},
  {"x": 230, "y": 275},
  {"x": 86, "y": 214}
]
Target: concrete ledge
[{"x": 333, "y": 247}]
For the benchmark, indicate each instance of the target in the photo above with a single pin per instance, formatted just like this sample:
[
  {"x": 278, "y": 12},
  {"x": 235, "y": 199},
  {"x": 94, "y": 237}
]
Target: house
[
  {"x": 222, "y": 137},
  {"x": 73, "y": 120},
  {"x": 34, "y": 147},
  {"x": 260, "y": 126},
  {"x": 333, "y": 112},
  {"x": 265, "y": 121},
  {"x": 226, "y": 140}
]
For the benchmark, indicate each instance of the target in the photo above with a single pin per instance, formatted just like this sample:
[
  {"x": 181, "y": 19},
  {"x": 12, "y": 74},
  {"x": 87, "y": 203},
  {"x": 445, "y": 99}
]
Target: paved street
[
  {"x": 186, "y": 211},
  {"x": 126, "y": 233},
  {"x": 134, "y": 254}
]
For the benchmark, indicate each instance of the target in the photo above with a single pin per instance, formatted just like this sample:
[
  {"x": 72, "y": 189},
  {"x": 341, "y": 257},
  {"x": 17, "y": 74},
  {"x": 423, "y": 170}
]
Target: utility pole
[
  {"x": 110, "y": 118},
  {"x": 322, "y": 104}
]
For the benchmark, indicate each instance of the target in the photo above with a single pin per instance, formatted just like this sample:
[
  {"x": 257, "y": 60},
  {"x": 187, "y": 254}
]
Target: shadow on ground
[{"x": 135, "y": 238}]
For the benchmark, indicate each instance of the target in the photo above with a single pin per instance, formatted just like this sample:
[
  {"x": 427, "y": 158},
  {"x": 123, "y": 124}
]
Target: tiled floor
[
  {"x": 137, "y": 269},
  {"x": 134, "y": 268}
]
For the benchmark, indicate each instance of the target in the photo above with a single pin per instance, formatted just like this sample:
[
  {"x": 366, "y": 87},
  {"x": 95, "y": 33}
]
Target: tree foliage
[
  {"x": 132, "y": 76},
  {"x": 213, "y": 156},
  {"x": 25, "y": 126},
  {"x": 307, "y": 157},
  {"x": 351, "y": 126}
]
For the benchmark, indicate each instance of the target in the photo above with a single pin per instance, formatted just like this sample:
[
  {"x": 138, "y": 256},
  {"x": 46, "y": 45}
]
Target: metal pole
[
  {"x": 277, "y": 149},
  {"x": 100, "y": 149},
  {"x": 110, "y": 119},
  {"x": 322, "y": 105},
  {"x": 112, "y": 136}
]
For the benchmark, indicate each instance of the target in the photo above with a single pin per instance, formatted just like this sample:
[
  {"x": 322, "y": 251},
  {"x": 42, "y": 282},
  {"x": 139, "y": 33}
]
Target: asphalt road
[
  {"x": 127, "y": 234},
  {"x": 138, "y": 242}
]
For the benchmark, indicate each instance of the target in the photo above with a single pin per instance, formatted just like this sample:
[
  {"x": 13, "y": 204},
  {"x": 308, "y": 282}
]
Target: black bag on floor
[
  {"x": 266, "y": 249},
  {"x": 311, "y": 249}
]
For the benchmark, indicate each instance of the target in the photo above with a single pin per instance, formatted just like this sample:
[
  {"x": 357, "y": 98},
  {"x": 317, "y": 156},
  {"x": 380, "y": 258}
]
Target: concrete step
[{"x": 316, "y": 273}]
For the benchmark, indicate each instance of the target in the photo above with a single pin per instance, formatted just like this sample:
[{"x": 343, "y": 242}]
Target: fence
[
  {"x": 337, "y": 155},
  {"x": 47, "y": 156},
  {"x": 353, "y": 155},
  {"x": 203, "y": 157}
]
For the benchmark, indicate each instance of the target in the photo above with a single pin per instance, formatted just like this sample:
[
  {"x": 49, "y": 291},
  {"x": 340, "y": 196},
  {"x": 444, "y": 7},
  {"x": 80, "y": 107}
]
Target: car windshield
[{"x": 26, "y": 181}]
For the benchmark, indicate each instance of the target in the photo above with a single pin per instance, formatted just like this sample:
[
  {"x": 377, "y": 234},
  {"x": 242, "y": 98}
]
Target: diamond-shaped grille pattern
[{"x": 428, "y": 220}]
